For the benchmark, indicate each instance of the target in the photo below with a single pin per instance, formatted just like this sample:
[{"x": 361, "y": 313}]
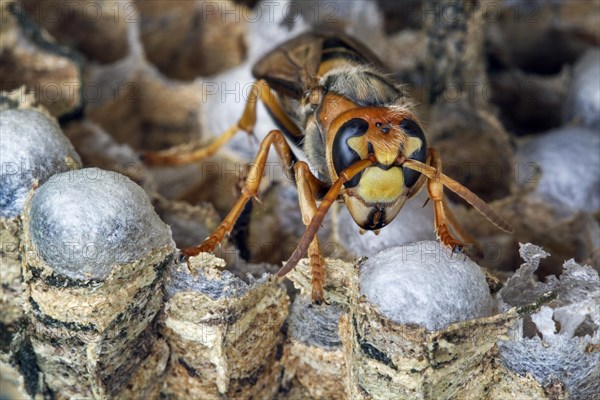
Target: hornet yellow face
[{"x": 375, "y": 196}]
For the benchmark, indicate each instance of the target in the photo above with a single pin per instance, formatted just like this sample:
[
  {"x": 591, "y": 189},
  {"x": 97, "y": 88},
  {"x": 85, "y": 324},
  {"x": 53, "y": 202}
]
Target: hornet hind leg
[{"x": 186, "y": 154}]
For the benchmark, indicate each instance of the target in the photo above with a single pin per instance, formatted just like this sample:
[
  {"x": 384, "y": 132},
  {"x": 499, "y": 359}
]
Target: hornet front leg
[{"x": 435, "y": 188}]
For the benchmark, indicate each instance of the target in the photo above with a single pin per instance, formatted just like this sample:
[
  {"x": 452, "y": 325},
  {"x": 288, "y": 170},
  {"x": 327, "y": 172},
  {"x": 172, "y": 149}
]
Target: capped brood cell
[
  {"x": 32, "y": 149},
  {"x": 94, "y": 255}
]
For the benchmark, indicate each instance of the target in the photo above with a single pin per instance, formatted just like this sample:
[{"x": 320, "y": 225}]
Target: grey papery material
[
  {"x": 424, "y": 283},
  {"x": 568, "y": 160},
  {"x": 32, "y": 148},
  {"x": 583, "y": 101},
  {"x": 558, "y": 349},
  {"x": 84, "y": 222},
  {"x": 315, "y": 325}
]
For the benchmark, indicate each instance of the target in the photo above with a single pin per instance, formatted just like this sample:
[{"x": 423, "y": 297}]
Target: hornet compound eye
[
  {"x": 343, "y": 154},
  {"x": 416, "y": 149}
]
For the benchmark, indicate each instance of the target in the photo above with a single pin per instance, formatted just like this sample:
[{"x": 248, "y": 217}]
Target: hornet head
[{"x": 376, "y": 195}]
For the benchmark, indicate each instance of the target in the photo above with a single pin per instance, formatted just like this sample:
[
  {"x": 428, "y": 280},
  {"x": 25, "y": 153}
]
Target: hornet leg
[
  {"x": 436, "y": 194},
  {"x": 186, "y": 154},
  {"x": 308, "y": 189},
  {"x": 249, "y": 190}
]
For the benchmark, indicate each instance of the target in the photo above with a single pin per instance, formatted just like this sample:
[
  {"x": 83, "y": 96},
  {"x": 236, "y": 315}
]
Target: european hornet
[{"x": 330, "y": 98}]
